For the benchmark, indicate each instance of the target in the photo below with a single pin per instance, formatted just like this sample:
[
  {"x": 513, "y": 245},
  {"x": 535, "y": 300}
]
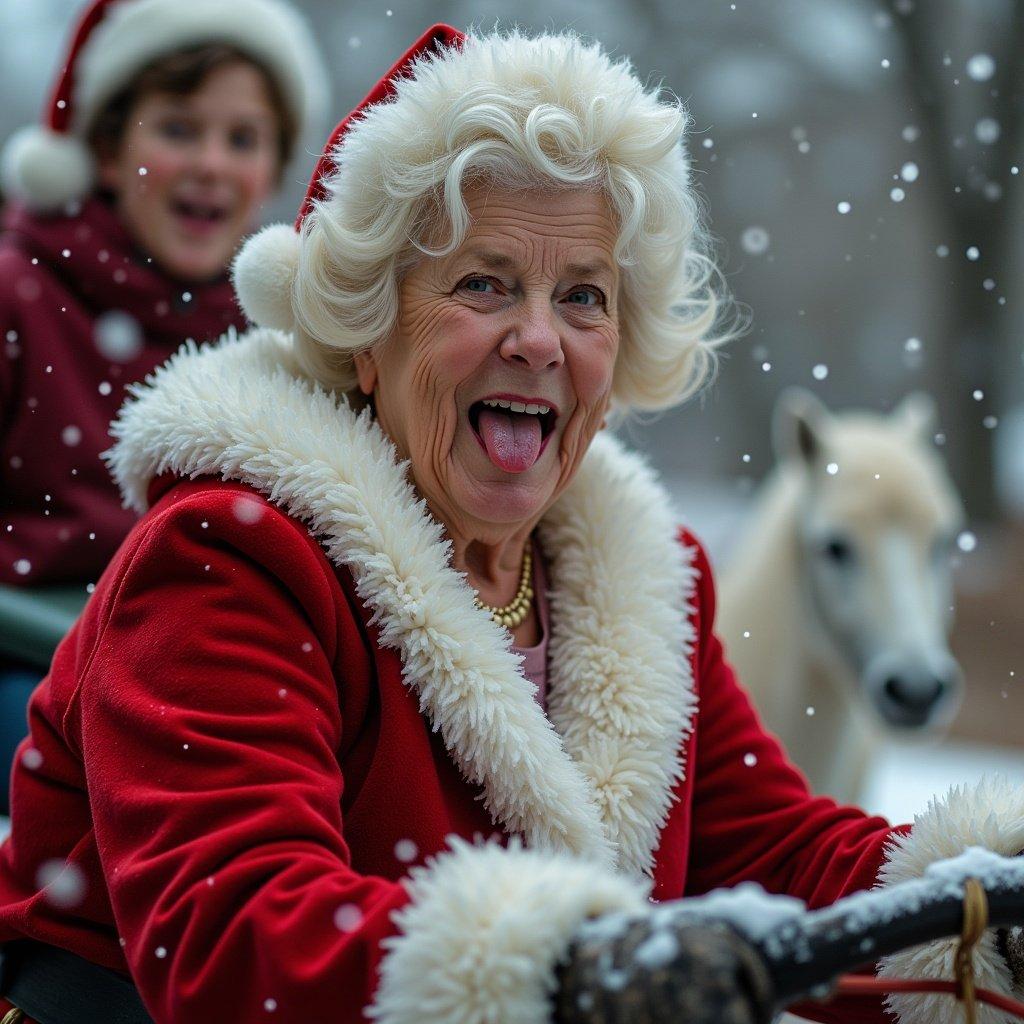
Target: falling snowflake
[
  {"x": 832, "y": 468},
  {"x": 62, "y": 883},
  {"x": 977, "y": 394},
  {"x": 843, "y": 206},
  {"x": 966, "y": 541},
  {"x": 270, "y": 1005},
  {"x": 911, "y": 133},
  {"x": 981, "y": 67},
  {"x": 117, "y": 336},
  {"x": 347, "y": 917},
  {"x": 987, "y": 131},
  {"x": 247, "y": 510},
  {"x": 755, "y": 241},
  {"x": 22, "y": 566},
  {"x": 750, "y": 760},
  {"x": 912, "y": 345},
  {"x": 990, "y": 422},
  {"x": 973, "y": 253},
  {"x": 820, "y": 371},
  {"x": 32, "y": 759},
  {"x": 406, "y": 851},
  {"x": 909, "y": 171},
  {"x": 71, "y": 435},
  {"x": 897, "y": 195}
]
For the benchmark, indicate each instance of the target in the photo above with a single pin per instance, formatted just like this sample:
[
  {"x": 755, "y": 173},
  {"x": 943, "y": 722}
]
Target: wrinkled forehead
[{"x": 521, "y": 231}]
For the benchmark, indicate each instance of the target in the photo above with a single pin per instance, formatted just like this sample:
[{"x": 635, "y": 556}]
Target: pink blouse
[{"x": 535, "y": 659}]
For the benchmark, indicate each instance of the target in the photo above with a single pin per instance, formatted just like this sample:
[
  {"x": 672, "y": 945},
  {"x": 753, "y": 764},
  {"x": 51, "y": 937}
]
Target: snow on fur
[
  {"x": 484, "y": 931},
  {"x": 989, "y": 814},
  {"x": 240, "y": 411}
]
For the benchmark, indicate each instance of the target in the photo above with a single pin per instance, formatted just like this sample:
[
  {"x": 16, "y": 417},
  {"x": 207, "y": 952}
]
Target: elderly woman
[{"x": 406, "y": 671}]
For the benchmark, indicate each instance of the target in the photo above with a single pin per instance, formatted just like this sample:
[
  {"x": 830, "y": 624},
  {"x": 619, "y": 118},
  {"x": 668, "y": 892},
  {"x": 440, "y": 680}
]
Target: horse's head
[{"x": 876, "y": 527}]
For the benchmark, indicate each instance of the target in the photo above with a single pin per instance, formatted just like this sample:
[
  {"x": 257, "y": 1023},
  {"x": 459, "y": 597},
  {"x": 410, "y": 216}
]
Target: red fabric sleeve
[
  {"x": 209, "y": 722},
  {"x": 754, "y": 817}
]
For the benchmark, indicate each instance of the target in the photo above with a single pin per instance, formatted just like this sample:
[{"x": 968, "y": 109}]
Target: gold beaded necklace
[{"x": 512, "y": 615}]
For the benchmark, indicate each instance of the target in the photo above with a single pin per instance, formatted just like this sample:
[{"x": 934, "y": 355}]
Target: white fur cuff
[
  {"x": 990, "y": 814},
  {"x": 484, "y": 931}
]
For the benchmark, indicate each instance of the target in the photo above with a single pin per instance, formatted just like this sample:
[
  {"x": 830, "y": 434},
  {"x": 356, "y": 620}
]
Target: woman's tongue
[{"x": 512, "y": 439}]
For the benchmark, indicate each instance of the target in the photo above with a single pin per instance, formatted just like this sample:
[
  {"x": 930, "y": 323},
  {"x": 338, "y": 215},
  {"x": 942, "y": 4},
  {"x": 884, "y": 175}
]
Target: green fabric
[{"x": 32, "y": 621}]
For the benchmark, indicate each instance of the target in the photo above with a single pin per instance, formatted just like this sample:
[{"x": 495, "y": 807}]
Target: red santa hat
[
  {"x": 50, "y": 165},
  {"x": 266, "y": 265}
]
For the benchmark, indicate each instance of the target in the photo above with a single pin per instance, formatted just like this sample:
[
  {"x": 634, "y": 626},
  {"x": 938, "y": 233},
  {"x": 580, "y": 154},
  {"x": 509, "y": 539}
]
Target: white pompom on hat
[
  {"x": 264, "y": 269},
  {"x": 50, "y": 165}
]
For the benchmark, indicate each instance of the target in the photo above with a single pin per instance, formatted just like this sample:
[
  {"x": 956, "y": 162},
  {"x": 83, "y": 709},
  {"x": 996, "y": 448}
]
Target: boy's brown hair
[{"x": 180, "y": 74}]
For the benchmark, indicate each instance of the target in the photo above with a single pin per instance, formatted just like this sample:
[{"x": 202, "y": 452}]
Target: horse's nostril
[{"x": 913, "y": 698}]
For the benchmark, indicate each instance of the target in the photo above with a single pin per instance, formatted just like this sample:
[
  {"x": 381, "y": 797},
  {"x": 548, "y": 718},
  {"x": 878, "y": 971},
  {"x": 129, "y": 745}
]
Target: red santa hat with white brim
[
  {"x": 265, "y": 268},
  {"x": 50, "y": 165}
]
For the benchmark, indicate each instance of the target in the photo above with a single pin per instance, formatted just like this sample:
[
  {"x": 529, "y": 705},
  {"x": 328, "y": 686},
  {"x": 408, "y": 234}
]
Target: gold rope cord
[
  {"x": 13, "y": 1016},
  {"x": 975, "y": 923}
]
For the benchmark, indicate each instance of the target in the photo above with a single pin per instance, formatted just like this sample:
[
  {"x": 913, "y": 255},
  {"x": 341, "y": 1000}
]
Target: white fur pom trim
[
  {"x": 484, "y": 931},
  {"x": 264, "y": 272},
  {"x": 989, "y": 814},
  {"x": 45, "y": 169}
]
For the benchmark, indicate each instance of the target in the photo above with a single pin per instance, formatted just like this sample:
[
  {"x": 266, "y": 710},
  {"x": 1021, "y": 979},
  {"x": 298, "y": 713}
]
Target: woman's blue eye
[
  {"x": 584, "y": 297},
  {"x": 477, "y": 284}
]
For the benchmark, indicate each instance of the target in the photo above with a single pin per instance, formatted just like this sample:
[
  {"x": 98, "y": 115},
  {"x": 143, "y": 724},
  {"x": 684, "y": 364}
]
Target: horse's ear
[
  {"x": 798, "y": 426},
  {"x": 919, "y": 415}
]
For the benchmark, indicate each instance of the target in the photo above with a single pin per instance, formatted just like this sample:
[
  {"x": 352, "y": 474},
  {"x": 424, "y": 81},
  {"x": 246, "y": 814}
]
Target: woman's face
[
  {"x": 192, "y": 171},
  {"x": 521, "y": 318}
]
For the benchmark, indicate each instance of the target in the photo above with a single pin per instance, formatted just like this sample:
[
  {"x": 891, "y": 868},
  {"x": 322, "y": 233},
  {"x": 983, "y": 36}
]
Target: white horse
[{"x": 836, "y": 604}]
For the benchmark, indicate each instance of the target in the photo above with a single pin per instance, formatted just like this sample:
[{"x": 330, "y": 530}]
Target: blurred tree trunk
[{"x": 971, "y": 183}]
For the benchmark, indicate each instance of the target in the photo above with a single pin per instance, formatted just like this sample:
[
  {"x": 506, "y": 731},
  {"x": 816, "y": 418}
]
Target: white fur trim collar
[{"x": 621, "y": 696}]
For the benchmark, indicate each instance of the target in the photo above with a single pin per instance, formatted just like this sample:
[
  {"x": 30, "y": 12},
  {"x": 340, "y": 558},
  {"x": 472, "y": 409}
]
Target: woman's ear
[{"x": 366, "y": 371}]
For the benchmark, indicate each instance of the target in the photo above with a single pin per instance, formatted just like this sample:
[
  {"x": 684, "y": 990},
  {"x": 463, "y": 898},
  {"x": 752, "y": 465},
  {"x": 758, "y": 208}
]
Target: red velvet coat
[
  {"x": 63, "y": 368},
  {"x": 280, "y": 699}
]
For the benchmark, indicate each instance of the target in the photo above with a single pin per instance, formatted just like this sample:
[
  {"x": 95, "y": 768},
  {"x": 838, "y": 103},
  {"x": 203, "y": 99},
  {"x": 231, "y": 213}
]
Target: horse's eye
[{"x": 838, "y": 551}]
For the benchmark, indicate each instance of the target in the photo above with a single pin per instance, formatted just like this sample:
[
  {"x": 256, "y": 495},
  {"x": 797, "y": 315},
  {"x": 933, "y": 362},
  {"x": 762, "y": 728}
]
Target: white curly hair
[{"x": 551, "y": 111}]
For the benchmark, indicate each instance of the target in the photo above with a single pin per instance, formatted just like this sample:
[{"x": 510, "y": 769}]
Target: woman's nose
[{"x": 534, "y": 341}]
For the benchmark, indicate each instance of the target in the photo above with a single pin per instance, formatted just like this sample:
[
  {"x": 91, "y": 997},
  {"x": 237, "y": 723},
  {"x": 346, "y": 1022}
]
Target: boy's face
[{"x": 192, "y": 171}]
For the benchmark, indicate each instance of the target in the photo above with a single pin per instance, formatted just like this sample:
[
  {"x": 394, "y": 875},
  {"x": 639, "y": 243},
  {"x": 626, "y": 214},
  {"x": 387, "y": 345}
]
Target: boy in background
[{"x": 169, "y": 127}]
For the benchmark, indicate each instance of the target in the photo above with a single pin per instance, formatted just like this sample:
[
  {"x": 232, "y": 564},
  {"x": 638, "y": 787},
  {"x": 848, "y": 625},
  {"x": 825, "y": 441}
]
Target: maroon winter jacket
[{"x": 82, "y": 314}]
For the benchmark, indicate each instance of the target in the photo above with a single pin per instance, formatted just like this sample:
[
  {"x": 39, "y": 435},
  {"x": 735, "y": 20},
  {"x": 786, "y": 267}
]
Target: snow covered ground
[{"x": 906, "y": 776}]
